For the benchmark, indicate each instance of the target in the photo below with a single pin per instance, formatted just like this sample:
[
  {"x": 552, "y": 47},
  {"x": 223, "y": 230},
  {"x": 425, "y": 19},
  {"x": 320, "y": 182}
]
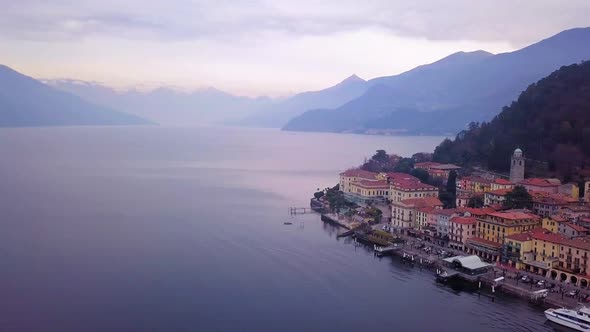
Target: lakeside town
[{"x": 509, "y": 231}]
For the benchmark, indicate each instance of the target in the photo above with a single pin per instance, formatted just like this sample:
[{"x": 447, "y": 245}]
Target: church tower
[{"x": 517, "y": 166}]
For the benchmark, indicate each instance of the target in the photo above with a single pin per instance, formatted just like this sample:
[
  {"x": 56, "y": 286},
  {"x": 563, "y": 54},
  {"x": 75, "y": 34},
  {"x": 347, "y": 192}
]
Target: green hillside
[{"x": 550, "y": 121}]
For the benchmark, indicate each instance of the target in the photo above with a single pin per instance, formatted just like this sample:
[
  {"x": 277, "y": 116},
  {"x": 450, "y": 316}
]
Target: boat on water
[{"x": 577, "y": 319}]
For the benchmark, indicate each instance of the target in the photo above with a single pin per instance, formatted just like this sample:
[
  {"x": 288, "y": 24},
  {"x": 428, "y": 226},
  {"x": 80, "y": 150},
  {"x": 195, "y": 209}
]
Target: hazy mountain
[
  {"x": 444, "y": 96},
  {"x": 167, "y": 105},
  {"x": 279, "y": 113},
  {"x": 25, "y": 101}
]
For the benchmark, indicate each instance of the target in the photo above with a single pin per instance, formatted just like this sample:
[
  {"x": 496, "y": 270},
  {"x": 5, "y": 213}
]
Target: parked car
[
  {"x": 525, "y": 279},
  {"x": 541, "y": 283}
]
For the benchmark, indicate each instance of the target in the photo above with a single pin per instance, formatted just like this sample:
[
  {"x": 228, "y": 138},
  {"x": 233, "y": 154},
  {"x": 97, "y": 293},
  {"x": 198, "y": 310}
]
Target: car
[
  {"x": 525, "y": 278},
  {"x": 541, "y": 283},
  {"x": 572, "y": 293}
]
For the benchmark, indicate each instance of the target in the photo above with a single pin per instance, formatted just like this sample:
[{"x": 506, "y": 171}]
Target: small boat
[
  {"x": 287, "y": 223},
  {"x": 578, "y": 319}
]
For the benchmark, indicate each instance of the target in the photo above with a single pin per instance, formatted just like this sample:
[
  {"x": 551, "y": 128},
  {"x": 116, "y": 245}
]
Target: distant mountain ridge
[
  {"x": 443, "y": 97},
  {"x": 171, "y": 107},
  {"x": 25, "y": 101},
  {"x": 279, "y": 114},
  {"x": 167, "y": 105}
]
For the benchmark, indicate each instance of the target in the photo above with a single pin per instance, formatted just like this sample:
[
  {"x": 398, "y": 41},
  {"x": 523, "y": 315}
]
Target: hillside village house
[
  {"x": 404, "y": 213},
  {"x": 497, "y": 196},
  {"x": 461, "y": 229},
  {"x": 550, "y": 254},
  {"x": 406, "y": 189},
  {"x": 352, "y": 175},
  {"x": 546, "y": 185},
  {"x": 369, "y": 191},
  {"x": 574, "y": 212},
  {"x": 500, "y": 183},
  {"x": 546, "y": 204},
  {"x": 437, "y": 170},
  {"x": 570, "y": 190},
  {"x": 494, "y": 227},
  {"x": 443, "y": 226},
  {"x": 426, "y": 219},
  {"x": 474, "y": 184},
  {"x": 462, "y": 199}
]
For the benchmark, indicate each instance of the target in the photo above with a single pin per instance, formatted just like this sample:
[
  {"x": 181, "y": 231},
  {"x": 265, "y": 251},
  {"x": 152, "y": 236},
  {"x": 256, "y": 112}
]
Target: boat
[{"x": 577, "y": 319}]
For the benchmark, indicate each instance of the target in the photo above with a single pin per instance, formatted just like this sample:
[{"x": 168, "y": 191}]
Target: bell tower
[{"x": 517, "y": 166}]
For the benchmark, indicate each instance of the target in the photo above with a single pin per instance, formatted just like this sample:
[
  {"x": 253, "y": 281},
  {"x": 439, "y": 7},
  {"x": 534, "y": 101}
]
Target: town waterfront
[{"x": 181, "y": 229}]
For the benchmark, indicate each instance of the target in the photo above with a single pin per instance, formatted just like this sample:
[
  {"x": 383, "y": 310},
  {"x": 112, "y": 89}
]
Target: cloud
[
  {"x": 263, "y": 46},
  {"x": 514, "y": 21}
]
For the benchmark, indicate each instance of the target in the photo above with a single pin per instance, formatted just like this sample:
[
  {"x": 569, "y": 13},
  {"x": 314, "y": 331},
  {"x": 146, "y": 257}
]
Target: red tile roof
[
  {"x": 413, "y": 185},
  {"x": 543, "y": 197},
  {"x": 576, "y": 228},
  {"x": 562, "y": 240},
  {"x": 514, "y": 215},
  {"x": 525, "y": 236},
  {"x": 537, "y": 182},
  {"x": 477, "y": 179},
  {"x": 396, "y": 176},
  {"x": 502, "y": 181},
  {"x": 464, "y": 220},
  {"x": 475, "y": 211},
  {"x": 421, "y": 202},
  {"x": 378, "y": 184},
  {"x": 577, "y": 208},
  {"x": 557, "y": 218},
  {"x": 428, "y": 209},
  {"x": 359, "y": 173}
]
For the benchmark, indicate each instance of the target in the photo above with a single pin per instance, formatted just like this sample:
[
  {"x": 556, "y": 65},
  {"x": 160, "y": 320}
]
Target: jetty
[{"x": 383, "y": 251}]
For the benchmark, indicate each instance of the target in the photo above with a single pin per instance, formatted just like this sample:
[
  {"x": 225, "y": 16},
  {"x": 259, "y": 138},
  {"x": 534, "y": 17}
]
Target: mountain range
[
  {"x": 25, "y": 101},
  {"x": 169, "y": 106},
  {"x": 443, "y": 97},
  {"x": 549, "y": 121},
  {"x": 437, "y": 98}
]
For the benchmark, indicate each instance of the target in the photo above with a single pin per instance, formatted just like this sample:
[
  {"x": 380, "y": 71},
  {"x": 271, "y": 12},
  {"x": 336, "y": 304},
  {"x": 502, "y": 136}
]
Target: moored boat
[{"x": 578, "y": 319}]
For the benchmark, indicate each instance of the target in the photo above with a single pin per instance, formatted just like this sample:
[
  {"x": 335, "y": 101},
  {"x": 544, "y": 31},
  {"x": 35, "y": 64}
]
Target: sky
[{"x": 261, "y": 47}]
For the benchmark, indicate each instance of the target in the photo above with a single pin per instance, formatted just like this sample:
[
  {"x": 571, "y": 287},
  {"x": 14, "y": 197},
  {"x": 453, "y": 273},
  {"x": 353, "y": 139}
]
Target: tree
[
  {"x": 318, "y": 194},
  {"x": 381, "y": 156},
  {"x": 452, "y": 182},
  {"x": 475, "y": 202},
  {"x": 421, "y": 174},
  {"x": 404, "y": 165},
  {"x": 447, "y": 199},
  {"x": 518, "y": 198}
]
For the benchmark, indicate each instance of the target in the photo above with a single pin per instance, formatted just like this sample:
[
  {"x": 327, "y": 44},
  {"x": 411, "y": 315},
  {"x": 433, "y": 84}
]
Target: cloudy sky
[{"x": 258, "y": 47}]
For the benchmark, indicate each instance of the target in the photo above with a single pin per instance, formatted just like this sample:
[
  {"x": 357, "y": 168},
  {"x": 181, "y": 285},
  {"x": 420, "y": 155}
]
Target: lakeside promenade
[{"x": 412, "y": 250}]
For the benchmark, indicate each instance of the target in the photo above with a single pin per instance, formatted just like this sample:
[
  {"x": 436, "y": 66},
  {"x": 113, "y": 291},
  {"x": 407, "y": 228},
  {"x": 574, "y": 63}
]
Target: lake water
[{"x": 181, "y": 229}]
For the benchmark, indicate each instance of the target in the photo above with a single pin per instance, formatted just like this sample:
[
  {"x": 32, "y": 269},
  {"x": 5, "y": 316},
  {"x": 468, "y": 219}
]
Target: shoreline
[{"x": 509, "y": 286}]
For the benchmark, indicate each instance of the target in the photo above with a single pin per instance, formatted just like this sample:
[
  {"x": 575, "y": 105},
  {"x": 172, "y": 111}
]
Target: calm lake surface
[{"x": 181, "y": 229}]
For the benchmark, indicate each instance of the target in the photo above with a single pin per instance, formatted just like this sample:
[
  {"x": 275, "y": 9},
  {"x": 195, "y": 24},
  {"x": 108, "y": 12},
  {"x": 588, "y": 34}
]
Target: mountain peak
[
  {"x": 462, "y": 57},
  {"x": 352, "y": 78}
]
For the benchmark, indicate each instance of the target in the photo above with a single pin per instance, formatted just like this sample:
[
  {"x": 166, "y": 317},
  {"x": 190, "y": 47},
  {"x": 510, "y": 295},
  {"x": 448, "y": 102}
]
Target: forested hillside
[{"x": 550, "y": 121}]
